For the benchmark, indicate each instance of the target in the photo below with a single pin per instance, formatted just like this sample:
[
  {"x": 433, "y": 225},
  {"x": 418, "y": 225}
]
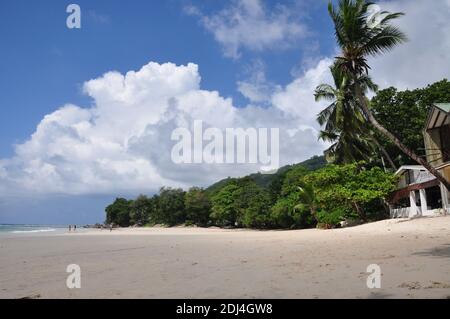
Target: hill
[{"x": 264, "y": 180}]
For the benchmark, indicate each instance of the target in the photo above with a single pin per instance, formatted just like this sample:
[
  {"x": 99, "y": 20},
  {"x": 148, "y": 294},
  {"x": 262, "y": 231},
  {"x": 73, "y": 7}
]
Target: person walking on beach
[
  {"x": 110, "y": 227},
  {"x": 70, "y": 228},
  {"x": 74, "y": 227}
]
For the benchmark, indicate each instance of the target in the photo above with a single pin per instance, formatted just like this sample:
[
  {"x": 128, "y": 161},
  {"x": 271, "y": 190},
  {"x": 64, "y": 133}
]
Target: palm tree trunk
[
  {"x": 313, "y": 211},
  {"x": 396, "y": 140},
  {"x": 385, "y": 153}
]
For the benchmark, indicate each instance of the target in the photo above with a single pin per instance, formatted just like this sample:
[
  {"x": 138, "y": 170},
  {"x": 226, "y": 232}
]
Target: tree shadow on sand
[{"x": 441, "y": 252}]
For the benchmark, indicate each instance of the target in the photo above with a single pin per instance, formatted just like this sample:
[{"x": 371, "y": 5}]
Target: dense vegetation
[{"x": 336, "y": 193}]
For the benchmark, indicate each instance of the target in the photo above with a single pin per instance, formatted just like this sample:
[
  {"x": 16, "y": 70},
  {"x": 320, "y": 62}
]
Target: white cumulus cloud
[{"x": 122, "y": 143}]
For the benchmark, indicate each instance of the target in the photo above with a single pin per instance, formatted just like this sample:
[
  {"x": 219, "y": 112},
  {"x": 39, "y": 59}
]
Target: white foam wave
[{"x": 33, "y": 231}]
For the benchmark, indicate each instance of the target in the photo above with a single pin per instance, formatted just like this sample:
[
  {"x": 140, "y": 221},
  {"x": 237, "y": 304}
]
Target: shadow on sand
[
  {"x": 441, "y": 252},
  {"x": 379, "y": 295}
]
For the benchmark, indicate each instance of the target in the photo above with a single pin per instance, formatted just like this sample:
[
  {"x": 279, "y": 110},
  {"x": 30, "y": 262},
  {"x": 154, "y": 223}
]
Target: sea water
[{"x": 23, "y": 229}]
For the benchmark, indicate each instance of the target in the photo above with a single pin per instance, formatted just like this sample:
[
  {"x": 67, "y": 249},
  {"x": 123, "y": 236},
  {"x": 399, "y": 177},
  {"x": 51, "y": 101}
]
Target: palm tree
[
  {"x": 344, "y": 123},
  {"x": 307, "y": 198},
  {"x": 358, "y": 40}
]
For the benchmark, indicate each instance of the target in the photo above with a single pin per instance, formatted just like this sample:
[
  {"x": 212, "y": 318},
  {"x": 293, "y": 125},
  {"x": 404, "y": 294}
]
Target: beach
[{"x": 413, "y": 255}]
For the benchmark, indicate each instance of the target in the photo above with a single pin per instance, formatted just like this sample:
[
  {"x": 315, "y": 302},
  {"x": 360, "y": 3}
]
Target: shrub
[{"x": 331, "y": 219}]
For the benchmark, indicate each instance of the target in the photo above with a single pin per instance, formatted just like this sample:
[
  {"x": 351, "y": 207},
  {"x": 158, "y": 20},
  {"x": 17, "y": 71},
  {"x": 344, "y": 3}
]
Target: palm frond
[
  {"x": 384, "y": 41},
  {"x": 324, "y": 92},
  {"x": 325, "y": 115}
]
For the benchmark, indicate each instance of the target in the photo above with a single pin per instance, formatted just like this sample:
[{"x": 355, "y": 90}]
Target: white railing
[
  {"x": 400, "y": 212},
  {"x": 405, "y": 212}
]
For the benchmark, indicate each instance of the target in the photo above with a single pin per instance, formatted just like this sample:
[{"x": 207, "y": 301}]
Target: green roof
[{"x": 443, "y": 106}]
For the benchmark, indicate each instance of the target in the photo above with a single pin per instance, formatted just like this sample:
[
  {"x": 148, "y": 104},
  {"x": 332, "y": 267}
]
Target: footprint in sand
[
  {"x": 410, "y": 285},
  {"x": 438, "y": 285}
]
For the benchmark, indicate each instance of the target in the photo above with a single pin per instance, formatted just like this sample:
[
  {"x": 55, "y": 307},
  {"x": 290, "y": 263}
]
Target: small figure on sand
[
  {"x": 70, "y": 228},
  {"x": 74, "y": 227},
  {"x": 110, "y": 227}
]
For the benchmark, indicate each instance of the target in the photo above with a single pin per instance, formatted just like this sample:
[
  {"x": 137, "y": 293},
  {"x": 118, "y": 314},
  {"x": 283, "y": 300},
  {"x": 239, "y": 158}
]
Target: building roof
[
  {"x": 409, "y": 168},
  {"x": 438, "y": 116},
  {"x": 443, "y": 106}
]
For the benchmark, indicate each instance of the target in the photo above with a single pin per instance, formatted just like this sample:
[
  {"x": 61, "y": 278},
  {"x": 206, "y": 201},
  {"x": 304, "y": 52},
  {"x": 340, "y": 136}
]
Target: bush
[{"x": 328, "y": 220}]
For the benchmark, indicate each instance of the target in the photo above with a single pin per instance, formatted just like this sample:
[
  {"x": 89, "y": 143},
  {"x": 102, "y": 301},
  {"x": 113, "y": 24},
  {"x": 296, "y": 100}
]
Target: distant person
[
  {"x": 70, "y": 228},
  {"x": 110, "y": 227},
  {"x": 74, "y": 227}
]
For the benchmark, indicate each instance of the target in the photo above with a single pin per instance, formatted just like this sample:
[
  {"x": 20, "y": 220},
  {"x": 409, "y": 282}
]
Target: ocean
[{"x": 31, "y": 229}]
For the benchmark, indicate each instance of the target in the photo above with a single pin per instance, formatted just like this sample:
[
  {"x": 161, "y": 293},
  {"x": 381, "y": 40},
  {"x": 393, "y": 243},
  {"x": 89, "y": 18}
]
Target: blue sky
[
  {"x": 73, "y": 134},
  {"x": 44, "y": 64}
]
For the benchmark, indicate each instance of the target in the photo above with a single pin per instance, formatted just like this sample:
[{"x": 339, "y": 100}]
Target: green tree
[
  {"x": 118, "y": 213},
  {"x": 252, "y": 204},
  {"x": 351, "y": 188},
  {"x": 344, "y": 123},
  {"x": 286, "y": 213},
  {"x": 282, "y": 212},
  {"x": 152, "y": 209},
  {"x": 140, "y": 210},
  {"x": 198, "y": 206},
  {"x": 170, "y": 208},
  {"x": 276, "y": 186},
  {"x": 307, "y": 199},
  {"x": 293, "y": 180},
  {"x": 358, "y": 39},
  {"x": 224, "y": 211},
  {"x": 390, "y": 105}
]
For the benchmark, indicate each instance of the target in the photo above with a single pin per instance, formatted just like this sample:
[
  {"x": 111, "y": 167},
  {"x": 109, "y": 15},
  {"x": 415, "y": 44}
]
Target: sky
[{"x": 86, "y": 114}]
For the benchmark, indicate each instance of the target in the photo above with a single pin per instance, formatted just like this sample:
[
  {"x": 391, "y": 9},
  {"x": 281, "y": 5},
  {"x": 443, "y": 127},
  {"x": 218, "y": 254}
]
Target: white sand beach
[{"x": 414, "y": 256}]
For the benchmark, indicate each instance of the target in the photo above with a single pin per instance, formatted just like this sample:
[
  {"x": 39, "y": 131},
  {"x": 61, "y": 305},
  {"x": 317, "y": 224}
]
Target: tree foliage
[
  {"x": 351, "y": 188},
  {"x": 170, "y": 208},
  {"x": 118, "y": 212},
  {"x": 140, "y": 209},
  {"x": 224, "y": 211},
  {"x": 405, "y": 113},
  {"x": 198, "y": 206}
]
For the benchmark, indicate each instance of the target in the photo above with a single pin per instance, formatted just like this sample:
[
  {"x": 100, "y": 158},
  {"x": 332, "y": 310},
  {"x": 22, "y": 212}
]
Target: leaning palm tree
[
  {"x": 360, "y": 36},
  {"x": 344, "y": 123}
]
